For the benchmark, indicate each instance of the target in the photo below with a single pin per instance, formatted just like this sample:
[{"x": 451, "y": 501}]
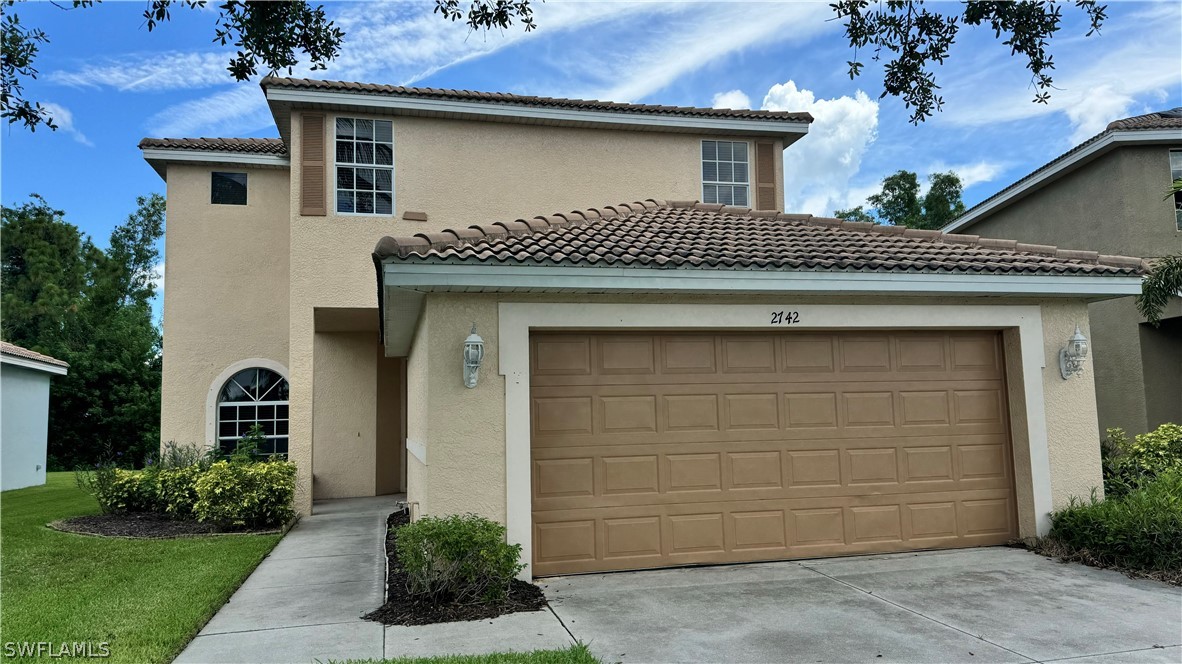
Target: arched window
[{"x": 251, "y": 396}]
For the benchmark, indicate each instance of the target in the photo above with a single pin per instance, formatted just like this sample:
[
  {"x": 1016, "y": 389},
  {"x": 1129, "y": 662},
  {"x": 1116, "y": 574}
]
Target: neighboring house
[
  {"x": 24, "y": 414},
  {"x": 659, "y": 382},
  {"x": 1110, "y": 194}
]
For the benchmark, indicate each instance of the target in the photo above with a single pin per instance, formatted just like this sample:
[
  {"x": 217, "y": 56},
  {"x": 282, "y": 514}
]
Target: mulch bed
[
  {"x": 1055, "y": 550},
  {"x": 141, "y": 525},
  {"x": 402, "y": 609}
]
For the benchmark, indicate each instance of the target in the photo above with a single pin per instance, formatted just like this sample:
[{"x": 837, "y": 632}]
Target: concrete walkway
[
  {"x": 304, "y": 602},
  {"x": 973, "y": 605}
]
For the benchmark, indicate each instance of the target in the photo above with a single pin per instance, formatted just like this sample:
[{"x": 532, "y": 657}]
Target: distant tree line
[
  {"x": 899, "y": 202},
  {"x": 63, "y": 296}
]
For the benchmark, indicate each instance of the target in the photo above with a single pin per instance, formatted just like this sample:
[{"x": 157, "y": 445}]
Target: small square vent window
[{"x": 228, "y": 189}]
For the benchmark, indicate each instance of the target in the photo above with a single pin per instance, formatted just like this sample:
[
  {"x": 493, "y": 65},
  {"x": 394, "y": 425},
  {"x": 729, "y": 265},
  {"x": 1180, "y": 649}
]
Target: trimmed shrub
[
  {"x": 1141, "y": 530},
  {"x": 251, "y": 495},
  {"x": 129, "y": 491},
  {"x": 458, "y": 559},
  {"x": 1130, "y": 464},
  {"x": 178, "y": 491}
]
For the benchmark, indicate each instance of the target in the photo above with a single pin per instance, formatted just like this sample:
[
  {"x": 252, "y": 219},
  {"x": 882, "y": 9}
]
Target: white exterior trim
[
  {"x": 36, "y": 365},
  {"x": 211, "y": 398},
  {"x": 1064, "y": 164},
  {"x": 516, "y": 320},
  {"x": 496, "y": 277},
  {"x": 482, "y": 108},
  {"x": 208, "y": 156}
]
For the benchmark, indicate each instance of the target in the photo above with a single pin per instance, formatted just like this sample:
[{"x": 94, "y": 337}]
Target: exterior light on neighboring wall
[
  {"x": 473, "y": 356},
  {"x": 1071, "y": 356}
]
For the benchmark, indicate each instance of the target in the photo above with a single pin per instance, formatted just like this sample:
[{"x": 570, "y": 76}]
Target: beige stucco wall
[
  {"x": 1113, "y": 205},
  {"x": 463, "y": 430},
  {"x": 225, "y": 289},
  {"x": 1073, "y": 441},
  {"x": 461, "y": 173},
  {"x": 418, "y": 415},
  {"x": 346, "y": 417}
]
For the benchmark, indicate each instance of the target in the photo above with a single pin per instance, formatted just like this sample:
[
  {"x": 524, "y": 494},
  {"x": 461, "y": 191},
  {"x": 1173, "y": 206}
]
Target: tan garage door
[{"x": 653, "y": 450}]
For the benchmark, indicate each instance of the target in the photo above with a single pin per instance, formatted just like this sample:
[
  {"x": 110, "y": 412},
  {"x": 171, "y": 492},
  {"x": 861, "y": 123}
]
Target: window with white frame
[
  {"x": 725, "y": 173},
  {"x": 1175, "y": 175},
  {"x": 364, "y": 166},
  {"x": 253, "y": 396}
]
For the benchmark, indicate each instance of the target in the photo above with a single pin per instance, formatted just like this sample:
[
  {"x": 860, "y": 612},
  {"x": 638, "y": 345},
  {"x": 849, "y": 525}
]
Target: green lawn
[
  {"x": 145, "y": 598},
  {"x": 576, "y": 654}
]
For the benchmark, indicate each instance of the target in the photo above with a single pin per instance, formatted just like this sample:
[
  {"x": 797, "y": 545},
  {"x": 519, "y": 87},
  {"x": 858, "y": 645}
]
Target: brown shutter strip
[
  {"x": 765, "y": 176},
  {"x": 313, "y": 199}
]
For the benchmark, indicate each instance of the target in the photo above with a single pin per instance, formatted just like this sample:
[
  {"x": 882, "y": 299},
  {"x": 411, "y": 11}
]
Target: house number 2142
[{"x": 785, "y": 317}]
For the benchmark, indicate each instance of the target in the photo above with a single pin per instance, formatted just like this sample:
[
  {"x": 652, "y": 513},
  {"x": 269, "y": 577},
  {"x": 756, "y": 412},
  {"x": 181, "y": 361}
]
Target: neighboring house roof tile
[
  {"x": 269, "y": 146},
  {"x": 528, "y": 100},
  {"x": 1171, "y": 119},
  {"x": 692, "y": 235},
  {"x": 1156, "y": 120},
  {"x": 17, "y": 351}
]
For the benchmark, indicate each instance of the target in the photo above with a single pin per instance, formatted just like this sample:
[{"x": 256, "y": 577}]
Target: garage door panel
[
  {"x": 647, "y": 536},
  {"x": 632, "y": 474},
  {"x": 652, "y": 450},
  {"x": 568, "y": 415}
]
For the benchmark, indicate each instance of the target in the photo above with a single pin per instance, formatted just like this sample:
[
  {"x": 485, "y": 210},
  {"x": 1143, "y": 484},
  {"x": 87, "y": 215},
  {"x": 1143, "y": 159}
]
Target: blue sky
[{"x": 112, "y": 83}]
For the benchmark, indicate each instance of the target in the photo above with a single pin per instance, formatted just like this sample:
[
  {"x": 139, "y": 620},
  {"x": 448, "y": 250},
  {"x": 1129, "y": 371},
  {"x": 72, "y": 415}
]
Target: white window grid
[
  {"x": 236, "y": 418},
  {"x": 364, "y": 166},
  {"x": 726, "y": 172}
]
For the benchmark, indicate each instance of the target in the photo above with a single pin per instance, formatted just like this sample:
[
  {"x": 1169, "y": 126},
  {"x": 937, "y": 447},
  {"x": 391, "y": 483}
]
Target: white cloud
[
  {"x": 142, "y": 72},
  {"x": 733, "y": 99},
  {"x": 64, "y": 119},
  {"x": 242, "y": 109},
  {"x": 819, "y": 167},
  {"x": 1097, "y": 79},
  {"x": 971, "y": 173}
]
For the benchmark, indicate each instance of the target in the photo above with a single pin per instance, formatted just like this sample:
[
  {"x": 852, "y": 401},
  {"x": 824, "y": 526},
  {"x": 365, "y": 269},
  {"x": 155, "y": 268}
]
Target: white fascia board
[
  {"x": 36, "y": 365},
  {"x": 443, "y": 277},
  {"x": 474, "y": 108},
  {"x": 1062, "y": 166},
  {"x": 207, "y": 156}
]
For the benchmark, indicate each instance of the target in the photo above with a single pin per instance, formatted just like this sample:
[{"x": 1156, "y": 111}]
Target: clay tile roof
[
  {"x": 1157, "y": 120},
  {"x": 268, "y": 146},
  {"x": 17, "y": 351},
  {"x": 685, "y": 234},
  {"x": 527, "y": 100}
]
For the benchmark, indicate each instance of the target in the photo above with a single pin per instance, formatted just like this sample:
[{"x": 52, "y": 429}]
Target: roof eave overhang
[
  {"x": 283, "y": 100},
  {"x": 1063, "y": 166},
  {"x": 37, "y": 365},
  {"x": 159, "y": 158},
  {"x": 404, "y": 285}
]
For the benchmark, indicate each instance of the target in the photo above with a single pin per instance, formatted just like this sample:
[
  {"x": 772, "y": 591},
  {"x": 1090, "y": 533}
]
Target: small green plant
[
  {"x": 247, "y": 449},
  {"x": 458, "y": 559},
  {"x": 127, "y": 491},
  {"x": 173, "y": 455},
  {"x": 1129, "y": 464},
  {"x": 1141, "y": 530},
  {"x": 99, "y": 482},
  {"x": 252, "y": 495}
]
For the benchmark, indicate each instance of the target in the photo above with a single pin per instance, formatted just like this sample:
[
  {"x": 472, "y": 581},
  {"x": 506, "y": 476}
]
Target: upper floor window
[
  {"x": 227, "y": 188},
  {"x": 1176, "y": 174},
  {"x": 724, "y": 173},
  {"x": 365, "y": 166}
]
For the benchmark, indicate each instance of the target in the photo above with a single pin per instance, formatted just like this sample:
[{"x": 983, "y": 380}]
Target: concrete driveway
[{"x": 973, "y": 605}]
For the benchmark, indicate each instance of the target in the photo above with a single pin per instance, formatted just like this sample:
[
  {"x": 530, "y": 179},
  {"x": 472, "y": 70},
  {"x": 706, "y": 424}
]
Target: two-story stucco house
[
  {"x": 1109, "y": 194},
  {"x": 595, "y": 323}
]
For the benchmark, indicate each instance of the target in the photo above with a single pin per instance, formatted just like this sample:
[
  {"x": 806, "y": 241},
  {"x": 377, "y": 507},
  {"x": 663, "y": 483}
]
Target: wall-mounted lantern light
[
  {"x": 1071, "y": 356},
  {"x": 473, "y": 356}
]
